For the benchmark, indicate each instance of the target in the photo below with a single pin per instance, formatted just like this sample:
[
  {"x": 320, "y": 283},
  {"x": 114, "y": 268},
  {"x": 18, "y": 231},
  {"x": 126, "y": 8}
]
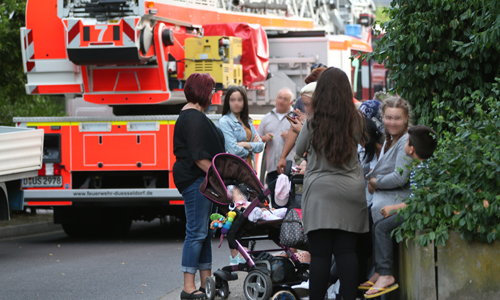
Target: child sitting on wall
[{"x": 421, "y": 143}]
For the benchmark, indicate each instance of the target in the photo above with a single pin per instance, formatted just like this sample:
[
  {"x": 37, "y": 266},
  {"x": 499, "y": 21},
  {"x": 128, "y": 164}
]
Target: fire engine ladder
[
  {"x": 330, "y": 17},
  {"x": 316, "y": 10},
  {"x": 349, "y": 10}
]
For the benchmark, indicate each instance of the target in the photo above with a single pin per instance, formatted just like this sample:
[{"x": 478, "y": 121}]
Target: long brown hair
[
  {"x": 396, "y": 102},
  {"x": 244, "y": 112},
  {"x": 335, "y": 121}
]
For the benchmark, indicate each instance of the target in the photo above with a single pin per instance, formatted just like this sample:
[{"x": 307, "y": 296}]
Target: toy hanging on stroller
[{"x": 267, "y": 274}]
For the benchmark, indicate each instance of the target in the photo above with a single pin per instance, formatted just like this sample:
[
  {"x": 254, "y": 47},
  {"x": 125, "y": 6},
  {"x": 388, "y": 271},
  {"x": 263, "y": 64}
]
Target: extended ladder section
[{"x": 129, "y": 52}]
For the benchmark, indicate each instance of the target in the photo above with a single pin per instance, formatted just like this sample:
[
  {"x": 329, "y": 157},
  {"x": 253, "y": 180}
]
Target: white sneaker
[
  {"x": 236, "y": 260},
  {"x": 304, "y": 285}
]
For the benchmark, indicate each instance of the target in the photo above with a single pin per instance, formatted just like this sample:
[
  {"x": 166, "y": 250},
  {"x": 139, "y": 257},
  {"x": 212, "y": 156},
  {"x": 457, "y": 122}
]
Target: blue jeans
[{"x": 197, "y": 251}]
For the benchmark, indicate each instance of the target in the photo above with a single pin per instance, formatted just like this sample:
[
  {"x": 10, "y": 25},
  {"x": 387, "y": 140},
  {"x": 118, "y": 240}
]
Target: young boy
[{"x": 422, "y": 141}]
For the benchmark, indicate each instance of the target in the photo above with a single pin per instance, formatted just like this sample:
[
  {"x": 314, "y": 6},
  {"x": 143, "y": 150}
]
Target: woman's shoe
[
  {"x": 304, "y": 285},
  {"x": 201, "y": 289},
  {"x": 236, "y": 260},
  {"x": 193, "y": 295}
]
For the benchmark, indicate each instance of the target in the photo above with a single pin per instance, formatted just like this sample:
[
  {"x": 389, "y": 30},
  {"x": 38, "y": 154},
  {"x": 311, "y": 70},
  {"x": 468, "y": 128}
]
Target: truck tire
[{"x": 4, "y": 205}]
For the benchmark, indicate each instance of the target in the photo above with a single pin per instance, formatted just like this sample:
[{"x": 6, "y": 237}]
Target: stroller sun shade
[{"x": 228, "y": 167}]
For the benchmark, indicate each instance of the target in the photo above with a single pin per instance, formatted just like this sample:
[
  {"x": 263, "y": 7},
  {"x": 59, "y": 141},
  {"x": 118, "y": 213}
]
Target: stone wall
[{"x": 460, "y": 270}]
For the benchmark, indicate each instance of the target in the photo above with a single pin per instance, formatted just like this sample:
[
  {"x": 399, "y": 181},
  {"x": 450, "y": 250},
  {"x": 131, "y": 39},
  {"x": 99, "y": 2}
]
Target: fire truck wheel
[{"x": 4, "y": 206}]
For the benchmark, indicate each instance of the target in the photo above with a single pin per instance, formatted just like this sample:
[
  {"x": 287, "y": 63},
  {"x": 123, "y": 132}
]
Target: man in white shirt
[{"x": 273, "y": 130}]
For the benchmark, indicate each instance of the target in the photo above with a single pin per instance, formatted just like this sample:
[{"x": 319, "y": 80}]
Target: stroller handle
[{"x": 270, "y": 189}]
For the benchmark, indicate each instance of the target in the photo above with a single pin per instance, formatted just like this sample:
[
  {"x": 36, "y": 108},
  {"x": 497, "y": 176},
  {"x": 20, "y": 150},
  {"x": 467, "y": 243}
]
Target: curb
[{"x": 28, "y": 229}]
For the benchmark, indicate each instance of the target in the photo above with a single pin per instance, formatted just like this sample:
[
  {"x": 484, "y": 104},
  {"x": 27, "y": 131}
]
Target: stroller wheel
[
  {"x": 224, "y": 289},
  {"x": 283, "y": 295},
  {"x": 257, "y": 286},
  {"x": 210, "y": 288}
]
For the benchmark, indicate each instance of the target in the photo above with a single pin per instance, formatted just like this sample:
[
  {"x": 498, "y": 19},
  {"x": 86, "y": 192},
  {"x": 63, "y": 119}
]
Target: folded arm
[
  {"x": 203, "y": 164},
  {"x": 231, "y": 143},
  {"x": 257, "y": 143}
]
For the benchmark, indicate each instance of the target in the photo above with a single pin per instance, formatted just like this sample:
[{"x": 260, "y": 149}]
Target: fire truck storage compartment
[
  {"x": 103, "y": 149},
  {"x": 52, "y": 148},
  {"x": 117, "y": 55},
  {"x": 139, "y": 78}
]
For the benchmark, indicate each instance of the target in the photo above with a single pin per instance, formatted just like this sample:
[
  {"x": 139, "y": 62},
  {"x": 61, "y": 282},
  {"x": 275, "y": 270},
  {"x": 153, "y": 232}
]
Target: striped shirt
[{"x": 413, "y": 183}]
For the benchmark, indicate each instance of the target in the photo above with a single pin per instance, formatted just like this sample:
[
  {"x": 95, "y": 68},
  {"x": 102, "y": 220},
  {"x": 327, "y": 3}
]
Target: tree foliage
[
  {"x": 462, "y": 183},
  {"x": 381, "y": 14},
  {"x": 443, "y": 49},
  {"x": 13, "y": 98},
  {"x": 444, "y": 56}
]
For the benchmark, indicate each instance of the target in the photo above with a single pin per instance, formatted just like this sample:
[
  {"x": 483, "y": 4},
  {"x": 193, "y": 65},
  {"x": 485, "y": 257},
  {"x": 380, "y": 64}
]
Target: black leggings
[
  {"x": 365, "y": 252},
  {"x": 342, "y": 244}
]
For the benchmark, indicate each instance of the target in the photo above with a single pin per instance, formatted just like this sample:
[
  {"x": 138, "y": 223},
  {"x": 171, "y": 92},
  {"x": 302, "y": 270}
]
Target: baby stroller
[{"x": 268, "y": 276}]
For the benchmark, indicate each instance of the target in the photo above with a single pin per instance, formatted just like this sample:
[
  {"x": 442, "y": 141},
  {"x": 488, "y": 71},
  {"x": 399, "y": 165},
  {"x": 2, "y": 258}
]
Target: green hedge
[
  {"x": 13, "y": 99},
  {"x": 461, "y": 186},
  {"x": 445, "y": 58},
  {"x": 443, "y": 49}
]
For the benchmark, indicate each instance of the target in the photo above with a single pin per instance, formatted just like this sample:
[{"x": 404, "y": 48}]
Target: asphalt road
[{"x": 144, "y": 265}]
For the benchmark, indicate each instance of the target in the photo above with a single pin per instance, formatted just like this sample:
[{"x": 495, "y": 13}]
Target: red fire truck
[{"x": 101, "y": 170}]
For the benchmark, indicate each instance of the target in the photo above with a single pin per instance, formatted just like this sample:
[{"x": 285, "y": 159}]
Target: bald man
[{"x": 273, "y": 129}]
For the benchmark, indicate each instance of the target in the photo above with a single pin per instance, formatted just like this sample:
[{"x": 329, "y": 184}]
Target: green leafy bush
[
  {"x": 462, "y": 182},
  {"x": 443, "y": 49},
  {"x": 444, "y": 57},
  {"x": 13, "y": 99},
  {"x": 30, "y": 106}
]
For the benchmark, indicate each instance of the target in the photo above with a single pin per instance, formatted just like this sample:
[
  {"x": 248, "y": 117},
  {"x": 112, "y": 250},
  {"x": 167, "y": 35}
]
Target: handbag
[{"x": 292, "y": 232}]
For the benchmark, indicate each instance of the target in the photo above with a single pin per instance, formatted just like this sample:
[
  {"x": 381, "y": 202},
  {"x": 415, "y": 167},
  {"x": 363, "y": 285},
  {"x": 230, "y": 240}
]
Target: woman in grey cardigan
[
  {"x": 389, "y": 185},
  {"x": 334, "y": 203}
]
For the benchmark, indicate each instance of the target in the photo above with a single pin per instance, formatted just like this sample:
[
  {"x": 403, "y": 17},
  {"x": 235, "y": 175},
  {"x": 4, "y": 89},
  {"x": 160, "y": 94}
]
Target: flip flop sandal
[
  {"x": 382, "y": 291},
  {"x": 362, "y": 287},
  {"x": 193, "y": 295}
]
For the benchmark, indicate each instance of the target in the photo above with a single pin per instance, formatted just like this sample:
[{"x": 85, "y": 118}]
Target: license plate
[{"x": 43, "y": 181}]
